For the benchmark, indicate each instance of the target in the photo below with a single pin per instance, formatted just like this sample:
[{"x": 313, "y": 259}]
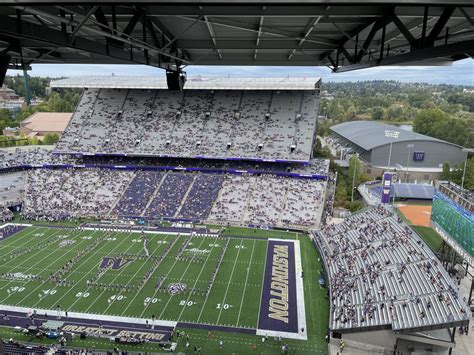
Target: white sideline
[
  {"x": 300, "y": 304},
  {"x": 16, "y": 224},
  {"x": 92, "y": 316},
  {"x": 112, "y": 229}
]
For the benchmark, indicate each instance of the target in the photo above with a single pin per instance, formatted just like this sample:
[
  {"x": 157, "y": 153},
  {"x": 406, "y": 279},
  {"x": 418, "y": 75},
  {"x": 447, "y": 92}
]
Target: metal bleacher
[{"x": 383, "y": 276}]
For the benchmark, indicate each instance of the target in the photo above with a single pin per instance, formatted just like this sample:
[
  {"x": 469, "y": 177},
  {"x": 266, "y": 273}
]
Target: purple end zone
[
  {"x": 278, "y": 309},
  {"x": 10, "y": 230}
]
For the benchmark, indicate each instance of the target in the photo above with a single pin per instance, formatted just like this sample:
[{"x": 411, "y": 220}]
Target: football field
[{"x": 182, "y": 278}]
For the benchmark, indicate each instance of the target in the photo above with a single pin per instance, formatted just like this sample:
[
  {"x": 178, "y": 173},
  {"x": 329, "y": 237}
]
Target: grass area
[
  {"x": 41, "y": 251},
  {"x": 413, "y": 202},
  {"x": 256, "y": 232},
  {"x": 430, "y": 237}
]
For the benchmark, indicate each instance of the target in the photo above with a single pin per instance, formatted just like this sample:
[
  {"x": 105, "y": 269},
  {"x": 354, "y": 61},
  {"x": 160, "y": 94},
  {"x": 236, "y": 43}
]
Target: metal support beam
[
  {"x": 347, "y": 55},
  {"x": 259, "y": 33},
  {"x": 382, "y": 42},
  {"x": 464, "y": 49},
  {"x": 182, "y": 33},
  {"x": 133, "y": 22},
  {"x": 403, "y": 29},
  {"x": 4, "y": 61},
  {"x": 346, "y": 39},
  {"x": 467, "y": 16},
  {"x": 83, "y": 21},
  {"x": 379, "y": 24},
  {"x": 441, "y": 23},
  {"x": 57, "y": 39},
  {"x": 308, "y": 31},
  {"x": 213, "y": 37},
  {"x": 423, "y": 29}
]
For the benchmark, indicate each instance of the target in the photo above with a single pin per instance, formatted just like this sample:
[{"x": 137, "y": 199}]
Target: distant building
[
  {"x": 10, "y": 100},
  {"x": 41, "y": 123},
  {"x": 11, "y": 131},
  {"x": 420, "y": 156}
]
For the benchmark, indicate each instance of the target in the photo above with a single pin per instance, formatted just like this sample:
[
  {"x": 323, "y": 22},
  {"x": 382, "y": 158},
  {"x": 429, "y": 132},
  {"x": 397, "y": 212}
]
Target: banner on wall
[{"x": 386, "y": 187}]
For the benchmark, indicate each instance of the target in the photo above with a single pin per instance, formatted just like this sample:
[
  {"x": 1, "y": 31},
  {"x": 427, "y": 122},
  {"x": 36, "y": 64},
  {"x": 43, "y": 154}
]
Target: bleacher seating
[
  {"x": 223, "y": 198},
  {"x": 382, "y": 274},
  {"x": 248, "y": 124},
  {"x": 13, "y": 157},
  {"x": 5, "y": 214},
  {"x": 38, "y": 156}
]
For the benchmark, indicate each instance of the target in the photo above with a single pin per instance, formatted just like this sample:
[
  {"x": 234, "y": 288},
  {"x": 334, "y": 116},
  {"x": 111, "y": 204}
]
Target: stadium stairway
[
  {"x": 112, "y": 208},
  {"x": 283, "y": 209},
  {"x": 249, "y": 197},
  {"x": 154, "y": 194},
  {"x": 178, "y": 211}
]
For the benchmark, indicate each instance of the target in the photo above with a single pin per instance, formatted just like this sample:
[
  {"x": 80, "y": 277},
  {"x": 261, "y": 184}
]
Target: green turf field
[
  {"x": 233, "y": 300},
  {"x": 37, "y": 251}
]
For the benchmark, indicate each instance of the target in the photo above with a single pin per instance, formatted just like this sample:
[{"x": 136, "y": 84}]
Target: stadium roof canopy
[
  {"x": 369, "y": 135},
  {"x": 341, "y": 34},
  {"x": 202, "y": 83}
]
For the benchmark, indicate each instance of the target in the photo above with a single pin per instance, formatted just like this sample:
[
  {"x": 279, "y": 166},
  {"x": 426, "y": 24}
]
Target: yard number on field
[
  {"x": 186, "y": 303},
  {"x": 15, "y": 289},
  {"x": 117, "y": 297},
  {"x": 151, "y": 300},
  {"x": 48, "y": 292},
  {"x": 224, "y": 306}
]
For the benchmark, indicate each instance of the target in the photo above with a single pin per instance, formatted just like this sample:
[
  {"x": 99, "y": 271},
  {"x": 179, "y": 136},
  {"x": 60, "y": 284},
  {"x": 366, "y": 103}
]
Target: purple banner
[
  {"x": 174, "y": 168},
  {"x": 78, "y": 154},
  {"x": 278, "y": 309},
  {"x": 386, "y": 187}
]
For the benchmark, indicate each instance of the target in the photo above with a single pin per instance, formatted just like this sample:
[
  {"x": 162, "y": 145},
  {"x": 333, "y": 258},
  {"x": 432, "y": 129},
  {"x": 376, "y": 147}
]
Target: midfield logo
[
  {"x": 175, "y": 288},
  {"x": 113, "y": 263}
]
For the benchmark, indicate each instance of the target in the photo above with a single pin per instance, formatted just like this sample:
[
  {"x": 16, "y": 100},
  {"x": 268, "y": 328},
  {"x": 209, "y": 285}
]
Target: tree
[
  {"x": 446, "y": 173},
  {"x": 438, "y": 124},
  {"x": 377, "y": 113},
  {"x": 5, "y": 114},
  {"x": 321, "y": 152},
  {"x": 355, "y": 170},
  {"x": 469, "y": 178},
  {"x": 50, "y": 138},
  {"x": 341, "y": 191}
]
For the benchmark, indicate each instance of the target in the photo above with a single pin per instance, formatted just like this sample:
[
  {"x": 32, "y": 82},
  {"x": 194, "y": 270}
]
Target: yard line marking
[
  {"x": 208, "y": 293},
  {"x": 167, "y": 274},
  {"x": 5, "y": 243},
  {"x": 100, "y": 295},
  {"x": 197, "y": 279},
  {"x": 138, "y": 293},
  {"x": 85, "y": 274},
  {"x": 32, "y": 267},
  {"x": 184, "y": 273},
  {"x": 230, "y": 279},
  {"x": 46, "y": 280},
  {"x": 27, "y": 241},
  {"x": 131, "y": 279},
  {"x": 245, "y": 286},
  {"x": 261, "y": 287}
]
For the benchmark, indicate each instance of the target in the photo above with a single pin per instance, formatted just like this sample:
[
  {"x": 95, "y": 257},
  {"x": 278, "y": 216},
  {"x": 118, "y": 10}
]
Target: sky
[{"x": 459, "y": 73}]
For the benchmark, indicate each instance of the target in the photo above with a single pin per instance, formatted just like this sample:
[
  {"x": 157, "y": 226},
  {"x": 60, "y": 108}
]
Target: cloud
[{"x": 460, "y": 73}]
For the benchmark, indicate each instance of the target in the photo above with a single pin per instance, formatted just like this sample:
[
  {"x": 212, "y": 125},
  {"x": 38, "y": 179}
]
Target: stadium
[{"x": 190, "y": 214}]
